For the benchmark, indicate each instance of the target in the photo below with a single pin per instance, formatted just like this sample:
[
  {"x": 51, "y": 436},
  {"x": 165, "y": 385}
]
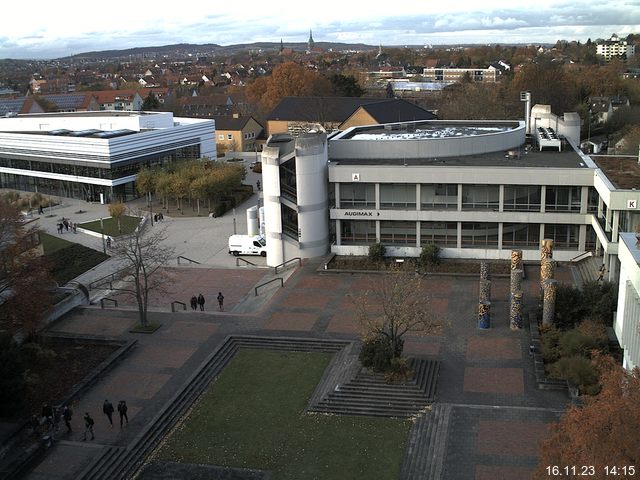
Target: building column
[
  {"x": 418, "y": 196},
  {"x": 600, "y": 204},
  {"x": 338, "y": 233},
  {"x": 612, "y": 274},
  {"x": 377, "y": 231},
  {"x": 459, "y": 236},
  {"x": 501, "y": 200},
  {"x": 584, "y": 200},
  {"x": 543, "y": 199},
  {"x": 615, "y": 222},
  {"x": 459, "y": 199},
  {"x": 500, "y": 236},
  {"x": 582, "y": 238},
  {"x": 377, "y": 190},
  {"x": 337, "y": 191},
  {"x": 418, "y": 240}
]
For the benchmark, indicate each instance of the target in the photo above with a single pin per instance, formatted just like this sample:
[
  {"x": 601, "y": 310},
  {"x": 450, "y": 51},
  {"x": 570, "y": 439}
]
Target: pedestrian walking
[
  {"x": 201, "y": 302},
  {"x": 67, "y": 414},
  {"x": 194, "y": 303},
  {"x": 65, "y": 222},
  {"x": 88, "y": 427},
  {"x": 107, "y": 409},
  {"x": 601, "y": 273},
  {"x": 160, "y": 216},
  {"x": 220, "y": 300},
  {"x": 258, "y": 185},
  {"x": 40, "y": 210},
  {"x": 75, "y": 228},
  {"x": 60, "y": 227},
  {"x": 108, "y": 242},
  {"x": 122, "y": 410}
]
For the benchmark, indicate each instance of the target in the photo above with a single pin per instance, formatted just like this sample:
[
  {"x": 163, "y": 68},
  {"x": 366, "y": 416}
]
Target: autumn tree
[
  {"x": 287, "y": 80},
  {"x": 25, "y": 281},
  {"x": 549, "y": 84},
  {"x": 393, "y": 305},
  {"x": 605, "y": 431},
  {"x": 143, "y": 254},
  {"x": 145, "y": 182},
  {"x": 116, "y": 210}
]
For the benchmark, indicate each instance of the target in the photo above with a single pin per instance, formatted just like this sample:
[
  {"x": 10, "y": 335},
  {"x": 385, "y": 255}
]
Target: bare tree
[
  {"x": 393, "y": 305},
  {"x": 144, "y": 253}
]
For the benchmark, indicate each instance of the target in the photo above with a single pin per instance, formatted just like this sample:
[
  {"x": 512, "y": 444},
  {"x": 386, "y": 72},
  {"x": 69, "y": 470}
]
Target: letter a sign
[{"x": 355, "y": 177}]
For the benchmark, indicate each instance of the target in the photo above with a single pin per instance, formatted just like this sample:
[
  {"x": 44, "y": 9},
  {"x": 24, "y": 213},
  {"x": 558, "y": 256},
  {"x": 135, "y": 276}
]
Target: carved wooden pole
[
  {"x": 550, "y": 288},
  {"x": 484, "y": 315}
]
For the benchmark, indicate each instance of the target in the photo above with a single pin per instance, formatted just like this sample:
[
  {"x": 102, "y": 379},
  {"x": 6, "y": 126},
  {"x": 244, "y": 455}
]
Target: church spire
[
  {"x": 281, "y": 46},
  {"x": 310, "y": 43}
]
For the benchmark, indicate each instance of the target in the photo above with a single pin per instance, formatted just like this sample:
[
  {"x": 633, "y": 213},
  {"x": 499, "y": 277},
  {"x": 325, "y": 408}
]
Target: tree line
[{"x": 210, "y": 182}]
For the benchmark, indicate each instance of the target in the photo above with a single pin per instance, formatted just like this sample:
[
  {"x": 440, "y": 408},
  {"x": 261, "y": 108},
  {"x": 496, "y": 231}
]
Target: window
[
  {"x": 563, "y": 199},
  {"x": 229, "y": 136},
  {"x": 443, "y": 234},
  {"x": 522, "y": 198},
  {"x": 592, "y": 200},
  {"x": 520, "y": 235},
  {"x": 480, "y": 197},
  {"x": 357, "y": 195},
  {"x": 246, "y": 136},
  {"x": 398, "y": 196},
  {"x": 357, "y": 232},
  {"x": 439, "y": 196},
  {"x": 564, "y": 236},
  {"x": 221, "y": 137},
  {"x": 479, "y": 235},
  {"x": 398, "y": 233},
  {"x": 289, "y": 222}
]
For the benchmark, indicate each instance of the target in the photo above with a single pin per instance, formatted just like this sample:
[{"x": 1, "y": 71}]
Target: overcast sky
[{"x": 49, "y": 29}]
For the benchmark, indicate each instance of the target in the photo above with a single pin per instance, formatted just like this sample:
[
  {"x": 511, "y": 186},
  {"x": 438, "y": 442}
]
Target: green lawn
[
  {"x": 52, "y": 244},
  {"x": 127, "y": 223},
  {"x": 68, "y": 259},
  {"x": 253, "y": 417}
]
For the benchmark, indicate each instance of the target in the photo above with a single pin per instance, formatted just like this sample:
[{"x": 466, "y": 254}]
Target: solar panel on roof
[
  {"x": 84, "y": 133},
  {"x": 114, "y": 133},
  {"x": 59, "y": 131}
]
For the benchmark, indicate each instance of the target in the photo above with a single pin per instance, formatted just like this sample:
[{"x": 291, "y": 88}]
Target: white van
[{"x": 247, "y": 245}]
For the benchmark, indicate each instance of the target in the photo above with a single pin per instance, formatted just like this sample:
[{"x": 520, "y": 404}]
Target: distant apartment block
[
  {"x": 614, "y": 47},
  {"x": 456, "y": 75}
]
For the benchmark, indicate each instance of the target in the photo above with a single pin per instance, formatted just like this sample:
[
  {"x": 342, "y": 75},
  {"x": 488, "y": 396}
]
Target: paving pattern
[{"x": 491, "y": 413}]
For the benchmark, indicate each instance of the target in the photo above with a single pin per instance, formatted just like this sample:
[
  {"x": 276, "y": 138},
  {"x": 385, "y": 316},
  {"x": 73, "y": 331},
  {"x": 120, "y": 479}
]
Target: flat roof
[
  {"x": 534, "y": 158},
  {"x": 432, "y": 129},
  {"x": 622, "y": 172}
]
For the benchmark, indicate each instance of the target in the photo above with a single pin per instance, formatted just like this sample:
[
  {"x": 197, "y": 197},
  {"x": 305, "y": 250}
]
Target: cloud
[{"x": 47, "y": 33}]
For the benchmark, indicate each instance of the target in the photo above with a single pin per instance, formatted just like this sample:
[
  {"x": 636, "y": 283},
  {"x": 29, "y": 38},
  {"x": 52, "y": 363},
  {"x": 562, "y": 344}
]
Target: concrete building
[
  {"x": 627, "y": 320},
  {"x": 456, "y": 75},
  {"x": 614, "y": 47},
  {"x": 95, "y": 155}
]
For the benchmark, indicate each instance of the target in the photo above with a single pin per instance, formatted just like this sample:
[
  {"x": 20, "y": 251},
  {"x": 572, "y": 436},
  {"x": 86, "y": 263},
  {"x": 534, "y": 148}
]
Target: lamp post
[
  {"x": 104, "y": 247},
  {"x": 150, "y": 207}
]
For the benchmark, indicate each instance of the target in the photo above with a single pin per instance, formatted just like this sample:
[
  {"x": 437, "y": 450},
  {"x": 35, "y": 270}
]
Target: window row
[
  {"x": 472, "y": 235},
  {"x": 440, "y": 196}
]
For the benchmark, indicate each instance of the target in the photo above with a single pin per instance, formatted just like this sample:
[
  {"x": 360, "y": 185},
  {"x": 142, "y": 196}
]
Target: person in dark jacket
[
  {"x": 107, "y": 409},
  {"x": 122, "y": 410},
  {"x": 201, "y": 302},
  {"x": 88, "y": 427},
  {"x": 194, "y": 303}
]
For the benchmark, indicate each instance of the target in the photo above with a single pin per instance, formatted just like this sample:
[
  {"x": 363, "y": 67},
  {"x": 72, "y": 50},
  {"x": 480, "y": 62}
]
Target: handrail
[
  {"x": 238, "y": 259},
  {"x": 267, "y": 283},
  {"x": 173, "y": 305},
  {"x": 582, "y": 256},
  {"x": 289, "y": 261},
  {"x": 115, "y": 302},
  {"x": 185, "y": 258},
  {"x": 111, "y": 277}
]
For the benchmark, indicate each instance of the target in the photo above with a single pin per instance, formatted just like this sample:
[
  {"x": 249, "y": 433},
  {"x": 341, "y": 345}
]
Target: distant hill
[{"x": 210, "y": 48}]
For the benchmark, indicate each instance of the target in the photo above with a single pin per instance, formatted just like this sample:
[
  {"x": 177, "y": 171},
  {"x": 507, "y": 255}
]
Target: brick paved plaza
[{"x": 498, "y": 414}]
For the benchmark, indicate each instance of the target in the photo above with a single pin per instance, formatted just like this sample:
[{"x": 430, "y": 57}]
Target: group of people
[
  {"x": 199, "y": 302},
  {"x": 107, "y": 409},
  {"x": 66, "y": 224},
  {"x": 49, "y": 421},
  {"x": 158, "y": 217}
]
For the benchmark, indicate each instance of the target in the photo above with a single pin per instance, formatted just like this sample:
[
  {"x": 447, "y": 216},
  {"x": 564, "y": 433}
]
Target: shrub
[
  {"x": 398, "y": 371},
  {"x": 574, "y": 342},
  {"x": 429, "y": 255},
  {"x": 549, "y": 339},
  {"x": 376, "y": 353},
  {"x": 377, "y": 252},
  {"x": 578, "y": 371}
]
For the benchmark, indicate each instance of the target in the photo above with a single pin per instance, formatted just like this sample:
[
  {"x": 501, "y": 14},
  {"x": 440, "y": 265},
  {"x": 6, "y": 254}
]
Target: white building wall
[
  {"x": 272, "y": 209},
  {"x": 313, "y": 196},
  {"x": 627, "y": 321}
]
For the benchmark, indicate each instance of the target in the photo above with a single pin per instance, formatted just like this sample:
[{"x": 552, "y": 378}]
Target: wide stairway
[
  {"x": 368, "y": 393},
  {"x": 586, "y": 270}
]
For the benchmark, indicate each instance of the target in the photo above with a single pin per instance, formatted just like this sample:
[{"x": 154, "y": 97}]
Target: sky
[{"x": 43, "y": 29}]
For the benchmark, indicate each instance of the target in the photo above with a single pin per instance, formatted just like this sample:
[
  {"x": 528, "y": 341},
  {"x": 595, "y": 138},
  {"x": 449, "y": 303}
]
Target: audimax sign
[{"x": 361, "y": 213}]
